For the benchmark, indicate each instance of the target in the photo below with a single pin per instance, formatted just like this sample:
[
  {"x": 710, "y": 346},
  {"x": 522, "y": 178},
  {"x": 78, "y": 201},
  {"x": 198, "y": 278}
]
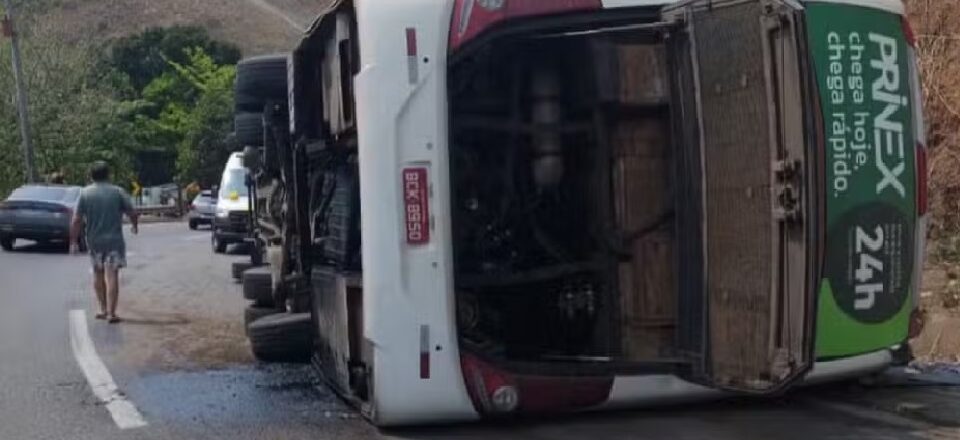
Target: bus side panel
[{"x": 409, "y": 309}]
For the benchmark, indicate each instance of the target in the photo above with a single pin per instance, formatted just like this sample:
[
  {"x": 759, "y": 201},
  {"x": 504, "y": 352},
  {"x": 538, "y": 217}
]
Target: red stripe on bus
[
  {"x": 411, "y": 42},
  {"x": 424, "y": 365}
]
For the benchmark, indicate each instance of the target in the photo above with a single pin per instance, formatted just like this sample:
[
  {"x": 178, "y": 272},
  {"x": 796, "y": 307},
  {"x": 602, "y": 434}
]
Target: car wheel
[
  {"x": 193, "y": 225},
  {"x": 218, "y": 245},
  {"x": 261, "y": 79},
  {"x": 7, "y": 243},
  {"x": 283, "y": 337},
  {"x": 258, "y": 286},
  {"x": 252, "y": 313}
]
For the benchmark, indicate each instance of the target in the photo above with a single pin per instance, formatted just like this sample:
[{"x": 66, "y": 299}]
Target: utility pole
[{"x": 10, "y": 31}]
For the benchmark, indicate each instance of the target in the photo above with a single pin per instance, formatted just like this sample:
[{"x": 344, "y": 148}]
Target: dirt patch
[
  {"x": 940, "y": 299},
  {"x": 242, "y": 23},
  {"x": 181, "y": 308},
  {"x": 182, "y": 341},
  {"x": 303, "y": 10}
]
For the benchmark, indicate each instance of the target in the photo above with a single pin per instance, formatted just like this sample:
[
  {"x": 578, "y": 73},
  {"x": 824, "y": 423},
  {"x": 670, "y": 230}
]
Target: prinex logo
[{"x": 888, "y": 131}]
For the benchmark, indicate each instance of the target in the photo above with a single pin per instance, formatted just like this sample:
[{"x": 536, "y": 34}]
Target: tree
[
  {"x": 77, "y": 118},
  {"x": 85, "y": 109},
  {"x": 146, "y": 56},
  {"x": 190, "y": 107}
]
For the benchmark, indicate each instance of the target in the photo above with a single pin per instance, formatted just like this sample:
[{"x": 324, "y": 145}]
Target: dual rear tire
[
  {"x": 275, "y": 336},
  {"x": 261, "y": 81},
  {"x": 282, "y": 337},
  {"x": 258, "y": 286},
  {"x": 239, "y": 267}
]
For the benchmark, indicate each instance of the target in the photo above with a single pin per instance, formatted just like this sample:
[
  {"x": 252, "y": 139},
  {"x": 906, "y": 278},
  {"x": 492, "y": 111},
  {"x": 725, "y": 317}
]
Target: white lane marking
[{"x": 124, "y": 413}]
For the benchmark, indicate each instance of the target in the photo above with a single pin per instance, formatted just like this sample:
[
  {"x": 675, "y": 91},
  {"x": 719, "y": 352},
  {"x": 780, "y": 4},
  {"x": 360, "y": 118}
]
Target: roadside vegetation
[
  {"x": 936, "y": 24},
  {"x": 166, "y": 90}
]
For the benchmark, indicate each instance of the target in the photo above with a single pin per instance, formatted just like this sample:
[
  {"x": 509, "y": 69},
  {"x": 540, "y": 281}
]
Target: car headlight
[{"x": 223, "y": 212}]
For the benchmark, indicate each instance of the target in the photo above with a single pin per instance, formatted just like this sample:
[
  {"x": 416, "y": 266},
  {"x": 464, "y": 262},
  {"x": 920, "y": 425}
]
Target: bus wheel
[
  {"x": 261, "y": 79},
  {"x": 238, "y": 268},
  {"x": 258, "y": 286},
  {"x": 252, "y": 313},
  {"x": 249, "y": 128},
  {"x": 283, "y": 337}
]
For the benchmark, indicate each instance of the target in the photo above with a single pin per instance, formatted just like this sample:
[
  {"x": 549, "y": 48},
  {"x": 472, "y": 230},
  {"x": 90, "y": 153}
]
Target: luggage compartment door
[{"x": 741, "y": 106}]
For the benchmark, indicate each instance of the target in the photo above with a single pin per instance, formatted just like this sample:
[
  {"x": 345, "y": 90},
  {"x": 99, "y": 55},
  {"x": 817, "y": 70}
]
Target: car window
[
  {"x": 203, "y": 198},
  {"x": 46, "y": 193},
  {"x": 234, "y": 181}
]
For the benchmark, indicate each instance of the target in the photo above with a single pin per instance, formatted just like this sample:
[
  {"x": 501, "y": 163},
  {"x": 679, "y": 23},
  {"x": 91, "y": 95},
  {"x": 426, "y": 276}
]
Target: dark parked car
[
  {"x": 203, "y": 209},
  {"x": 41, "y": 213}
]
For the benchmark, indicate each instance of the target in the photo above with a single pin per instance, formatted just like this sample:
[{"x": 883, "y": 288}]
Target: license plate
[{"x": 416, "y": 205}]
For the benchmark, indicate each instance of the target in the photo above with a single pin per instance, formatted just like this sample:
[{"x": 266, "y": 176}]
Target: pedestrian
[{"x": 100, "y": 212}]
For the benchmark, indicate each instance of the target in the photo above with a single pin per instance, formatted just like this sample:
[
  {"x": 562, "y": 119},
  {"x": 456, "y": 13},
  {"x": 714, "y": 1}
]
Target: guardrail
[{"x": 168, "y": 210}]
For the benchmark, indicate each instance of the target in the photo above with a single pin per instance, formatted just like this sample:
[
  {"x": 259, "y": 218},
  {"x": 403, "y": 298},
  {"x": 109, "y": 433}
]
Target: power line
[{"x": 9, "y": 30}]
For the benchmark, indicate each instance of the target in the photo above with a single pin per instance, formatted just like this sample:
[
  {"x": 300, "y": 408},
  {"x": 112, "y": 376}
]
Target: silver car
[{"x": 203, "y": 209}]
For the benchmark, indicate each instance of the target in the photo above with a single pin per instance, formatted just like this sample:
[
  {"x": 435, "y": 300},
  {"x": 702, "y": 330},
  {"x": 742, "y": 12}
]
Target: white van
[{"x": 232, "y": 221}]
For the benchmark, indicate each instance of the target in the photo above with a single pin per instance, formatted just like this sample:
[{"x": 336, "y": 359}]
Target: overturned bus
[{"x": 476, "y": 208}]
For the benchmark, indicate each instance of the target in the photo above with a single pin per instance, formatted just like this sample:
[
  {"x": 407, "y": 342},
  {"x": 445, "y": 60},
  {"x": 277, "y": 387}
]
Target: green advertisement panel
[{"x": 862, "y": 61}]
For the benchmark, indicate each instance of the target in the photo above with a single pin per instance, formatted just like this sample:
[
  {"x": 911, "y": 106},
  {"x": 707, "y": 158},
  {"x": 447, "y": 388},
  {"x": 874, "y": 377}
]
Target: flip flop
[
  {"x": 114, "y": 319},
  {"x": 100, "y": 316}
]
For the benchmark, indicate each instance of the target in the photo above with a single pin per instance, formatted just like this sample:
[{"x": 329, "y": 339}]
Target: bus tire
[
  {"x": 261, "y": 79},
  {"x": 903, "y": 355},
  {"x": 252, "y": 313},
  {"x": 282, "y": 337},
  {"x": 249, "y": 129},
  {"x": 258, "y": 286},
  {"x": 238, "y": 268},
  {"x": 217, "y": 244}
]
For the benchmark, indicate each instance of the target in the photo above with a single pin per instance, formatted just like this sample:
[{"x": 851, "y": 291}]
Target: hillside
[{"x": 256, "y": 26}]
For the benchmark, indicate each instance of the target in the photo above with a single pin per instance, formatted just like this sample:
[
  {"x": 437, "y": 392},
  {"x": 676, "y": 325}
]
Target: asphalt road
[{"x": 181, "y": 358}]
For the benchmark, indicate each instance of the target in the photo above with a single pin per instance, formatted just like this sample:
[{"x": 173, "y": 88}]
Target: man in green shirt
[{"x": 100, "y": 211}]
